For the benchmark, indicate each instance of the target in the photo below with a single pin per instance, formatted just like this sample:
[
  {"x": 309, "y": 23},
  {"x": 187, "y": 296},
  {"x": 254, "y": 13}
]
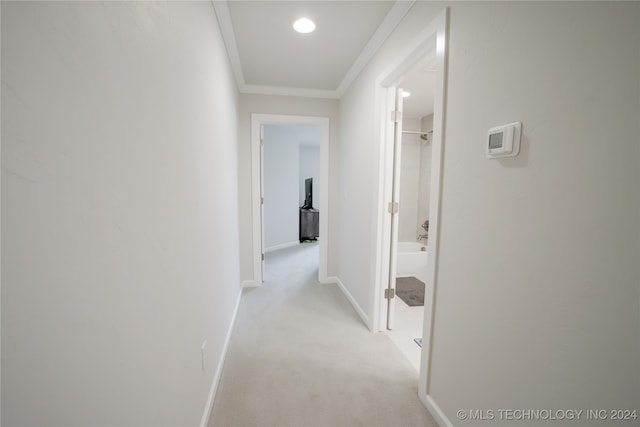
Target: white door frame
[
  {"x": 257, "y": 120},
  {"x": 432, "y": 41}
]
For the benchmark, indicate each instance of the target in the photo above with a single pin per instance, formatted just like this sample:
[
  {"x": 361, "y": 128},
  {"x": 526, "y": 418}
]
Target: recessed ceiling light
[
  {"x": 304, "y": 25},
  {"x": 406, "y": 94}
]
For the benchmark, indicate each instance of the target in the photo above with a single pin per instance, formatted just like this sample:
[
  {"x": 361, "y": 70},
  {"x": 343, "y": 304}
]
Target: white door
[
  {"x": 262, "y": 203},
  {"x": 394, "y": 205}
]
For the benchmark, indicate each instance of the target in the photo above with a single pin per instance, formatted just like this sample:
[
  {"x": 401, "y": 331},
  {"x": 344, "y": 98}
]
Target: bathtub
[{"x": 412, "y": 260}]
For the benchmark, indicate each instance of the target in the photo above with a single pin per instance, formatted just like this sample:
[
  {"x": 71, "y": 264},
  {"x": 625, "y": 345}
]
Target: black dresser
[{"x": 309, "y": 228}]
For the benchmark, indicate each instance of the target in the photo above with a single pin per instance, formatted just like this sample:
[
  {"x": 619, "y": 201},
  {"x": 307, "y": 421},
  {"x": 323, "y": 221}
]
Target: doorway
[
  {"x": 428, "y": 50},
  {"x": 258, "y": 123},
  {"x": 410, "y": 232}
]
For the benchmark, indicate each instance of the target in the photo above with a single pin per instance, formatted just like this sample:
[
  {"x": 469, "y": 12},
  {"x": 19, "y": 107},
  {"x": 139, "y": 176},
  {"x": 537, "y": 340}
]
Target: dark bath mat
[{"x": 410, "y": 290}]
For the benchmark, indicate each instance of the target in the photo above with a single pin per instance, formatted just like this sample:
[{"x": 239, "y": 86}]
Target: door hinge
[
  {"x": 389, "y": 293},
  {"x": 262, "y": 200},
  {"x": 396, "y": 116},
  {"x": 262, "y": 257},
  {"x": 393, "y": 207}
]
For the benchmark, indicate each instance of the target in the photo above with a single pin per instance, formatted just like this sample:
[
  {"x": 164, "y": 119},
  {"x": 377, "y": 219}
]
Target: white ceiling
[{"x": 269, "y": 57}]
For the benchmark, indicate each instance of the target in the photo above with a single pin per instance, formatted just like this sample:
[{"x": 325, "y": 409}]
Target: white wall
[
  {"x": 357, "y": 183},
  {"x": 558, "y": 325},
  {"x": 281, "y": 187},
  {"x": 310, "y": 168},
  {"x": 119, "y": 211},
  {"x": 410, "y": 173},
  {"x": 285, "y": 105},
  {"x": 572, "y": 288}
]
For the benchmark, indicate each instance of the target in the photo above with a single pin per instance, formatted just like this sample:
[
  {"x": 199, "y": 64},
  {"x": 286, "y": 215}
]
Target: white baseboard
[
  {"x": 282, "y": 246},
  {"x": 250, "y": 284},
  {"x": 351, "y": 299},
  {"x": 435, "y": 411},
  {"x": 216, "y": 377}
]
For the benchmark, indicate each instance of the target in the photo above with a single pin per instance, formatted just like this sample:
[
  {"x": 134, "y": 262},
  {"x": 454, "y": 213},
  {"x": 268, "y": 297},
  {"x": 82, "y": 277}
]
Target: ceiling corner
[{"x": 390, "y": 22}]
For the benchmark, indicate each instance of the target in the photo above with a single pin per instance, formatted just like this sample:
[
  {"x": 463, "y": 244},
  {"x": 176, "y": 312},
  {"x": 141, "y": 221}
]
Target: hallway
[{"x": 300, "y": 356}]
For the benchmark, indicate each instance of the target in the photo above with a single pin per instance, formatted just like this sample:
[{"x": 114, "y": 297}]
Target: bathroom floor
[{"x": 408, "y": 326}]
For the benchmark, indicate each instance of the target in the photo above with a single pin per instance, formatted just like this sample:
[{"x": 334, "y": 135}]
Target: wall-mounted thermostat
[{"x": 504, "y": 141}]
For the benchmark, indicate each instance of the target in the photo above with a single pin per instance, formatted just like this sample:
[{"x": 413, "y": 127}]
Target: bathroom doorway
[
  {"x": 411, "y": 189},
  {"x": 427, "y": 54}
]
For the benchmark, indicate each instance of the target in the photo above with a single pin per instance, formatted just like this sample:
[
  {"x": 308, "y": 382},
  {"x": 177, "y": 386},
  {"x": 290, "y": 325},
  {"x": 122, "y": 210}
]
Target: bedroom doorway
[{"x": 262, "y": 126}]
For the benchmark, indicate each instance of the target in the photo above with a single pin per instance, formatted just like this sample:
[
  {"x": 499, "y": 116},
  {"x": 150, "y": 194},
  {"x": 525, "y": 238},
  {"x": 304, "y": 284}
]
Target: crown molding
[
  {"x": 288, "y": 91},
  {"x": 226, "y": 28},
  {"x": 390, "y": 22}
]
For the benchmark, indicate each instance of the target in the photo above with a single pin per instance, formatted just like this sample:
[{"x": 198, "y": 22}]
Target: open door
[
  {"x": 394, "y": 204},
  {"x": 262, "y": 203}
]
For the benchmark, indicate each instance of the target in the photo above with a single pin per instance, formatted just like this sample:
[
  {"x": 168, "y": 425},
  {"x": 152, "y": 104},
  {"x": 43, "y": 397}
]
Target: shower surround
[{"x": 415, "y": 179}]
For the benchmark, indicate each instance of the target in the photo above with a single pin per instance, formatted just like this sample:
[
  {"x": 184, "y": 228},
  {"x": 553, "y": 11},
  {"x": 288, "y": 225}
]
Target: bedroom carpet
[{"x": 300, "y": 356}]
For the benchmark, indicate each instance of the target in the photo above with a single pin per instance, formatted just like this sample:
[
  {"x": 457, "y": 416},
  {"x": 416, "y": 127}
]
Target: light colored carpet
[{"x": 300, "y": 356}]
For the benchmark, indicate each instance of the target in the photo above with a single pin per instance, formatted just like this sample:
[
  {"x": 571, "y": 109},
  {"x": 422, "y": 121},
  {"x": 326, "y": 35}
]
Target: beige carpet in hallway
[{"x": 300, "y": 356}]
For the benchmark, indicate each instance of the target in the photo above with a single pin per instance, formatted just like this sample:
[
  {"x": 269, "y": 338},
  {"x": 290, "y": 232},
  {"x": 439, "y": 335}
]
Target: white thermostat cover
[{"x": 503, "y": 141}]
